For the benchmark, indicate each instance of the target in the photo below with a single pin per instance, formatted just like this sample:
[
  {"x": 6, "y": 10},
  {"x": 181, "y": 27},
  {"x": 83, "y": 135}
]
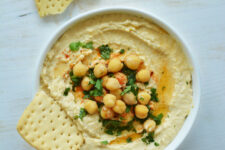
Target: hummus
[{"x": 160, "y": 53}]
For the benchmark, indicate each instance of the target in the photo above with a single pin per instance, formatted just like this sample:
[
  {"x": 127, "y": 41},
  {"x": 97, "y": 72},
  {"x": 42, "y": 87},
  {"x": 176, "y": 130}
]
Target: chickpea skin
[
  {"x": 143, "y": 75},
  {"x": 132, "y": 62},
  {"x": 115, "y": 65},
  {"x": 143, "y": 97},
  {"x": 117, "y": 93},
  {"x": 129, "y": 98},
  {"x": 104, "y": 80},
  {"x": 141, "y": 111},
  {"x": 112, "y": 84},
  {"x": 119, "y": 107},
  {"x": 109, "y": 100},
  {"x": 100, "y": 70},
  {"x": 85, "y": 84},
  {"x": 90, "y": 106},
  {"x": 107, "y": 113},
  {"x": 149, "y": 125},
  {"x": 80, "y": 69}
]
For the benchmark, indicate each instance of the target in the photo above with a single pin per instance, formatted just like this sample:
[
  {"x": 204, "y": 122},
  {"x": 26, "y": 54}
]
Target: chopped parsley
[
  {"x": 122, "y": 51},
  {"x": 128, "y": 109},
  {"x": 154, "y": 95},
  {"x": 129, "y": 140},
  {"x": 146, "y": 83},
  {"x": 82, "y": 114},
  {"x": 142, "y": 99},
  {"x": 156, "y": 144},
  {"x": 157, "y": 118},
  {"x": 98, "y": 89},
  {"x": 76, "y": 117},
  {"x": 88, "y": 45},
  {"x": 131, "y": 86},
  {"x": 115, "y": 127},
  {"x": 149, "y": 138},
  {"x": 66, "y": 91},
  {"x": 105, "y": 51},
  {"x": 75, "y": 46},
  {"x": 104, "y": 142}
]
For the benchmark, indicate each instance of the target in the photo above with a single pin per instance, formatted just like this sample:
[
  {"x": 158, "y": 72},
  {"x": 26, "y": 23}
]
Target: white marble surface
[{"x": 23, "y": 33}]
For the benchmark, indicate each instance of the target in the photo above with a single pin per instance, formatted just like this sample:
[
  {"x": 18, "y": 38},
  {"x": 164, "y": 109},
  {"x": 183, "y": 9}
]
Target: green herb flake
[
  {"x": 88, "y": 45},
  {"x": 126, "y": 90},
  {"x": 149, "y": 138},
  {"x": 105, "y": 51},
  {"x": 82, "y": 114},
  {"x": 104, "y": 142},
  {"x": 156, "y": 144},
  {"x": 154, "y": 95},
  {"x": 75, "y": 46},
  {"x": 76, "y": 80},
  {"x": 127, "y": 109},
  {"x": 129, "y": 140},
  {"x": 157, "y": 118},
  {"x": 66, "y": 91},
  {"x": 76, "y": 117},
  {"x": 122, "y": 51},
  {"x": 142, "y": 98},
  {"x": 146, "y": 83}
]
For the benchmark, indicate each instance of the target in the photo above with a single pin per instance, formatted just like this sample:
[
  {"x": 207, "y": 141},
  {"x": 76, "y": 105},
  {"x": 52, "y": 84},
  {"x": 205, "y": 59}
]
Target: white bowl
[{"x": 195, "y": 75}]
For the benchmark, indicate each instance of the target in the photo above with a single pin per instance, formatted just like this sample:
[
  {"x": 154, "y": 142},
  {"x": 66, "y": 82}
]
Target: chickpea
[
  {"x": 117, "y": 93},
  {"x": 104, "y": 80},
  {"x": 80, "y": 69},
  {"x": 120, "y": 107},
  {"x": 143, "y": 75},
  {"x": 149, "y": 125},
  {"x": 109, "y": 100},
  {"x": 112, "y": 84},
  {"x": 85, "y": 84},
  {"x": 144, "y": 98},
  {"x": 122, "y": 78},
  {"x": 138, "y": 127},
  {"x": 129, "y": 98},
  {"x": 90, "y": 106},
  {"x": 115, "y": 65},
  {"x": 132, "y": 62},
  {"x": 107, "y": 113},
  {"x": 100, "y": 70},
  {"x": 127, "y": 117},
  {"x": 141, "y": 111}
]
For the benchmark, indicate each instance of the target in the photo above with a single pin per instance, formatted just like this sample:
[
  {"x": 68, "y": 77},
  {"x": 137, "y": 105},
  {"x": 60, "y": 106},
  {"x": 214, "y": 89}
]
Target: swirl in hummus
[{"x": 124, "y": 81}]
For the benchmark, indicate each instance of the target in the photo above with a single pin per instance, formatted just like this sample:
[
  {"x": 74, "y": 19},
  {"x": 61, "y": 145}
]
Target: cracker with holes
[
  {"x": 45, "y": 125},
  {"x": 51, "y": 7}
]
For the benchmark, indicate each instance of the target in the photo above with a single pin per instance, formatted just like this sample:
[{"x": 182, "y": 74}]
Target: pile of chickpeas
[{"x": 114, "y": 103}]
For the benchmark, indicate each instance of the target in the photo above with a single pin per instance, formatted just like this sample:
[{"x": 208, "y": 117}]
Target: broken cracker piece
[
  {"x": 51, "y": 7},
  {"x": 45, "y": 125}
]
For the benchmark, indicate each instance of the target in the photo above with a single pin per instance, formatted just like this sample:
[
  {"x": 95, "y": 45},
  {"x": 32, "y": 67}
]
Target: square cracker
[
  {"x": 51, "y": 7},
  {"x": 45, "y": 125}
]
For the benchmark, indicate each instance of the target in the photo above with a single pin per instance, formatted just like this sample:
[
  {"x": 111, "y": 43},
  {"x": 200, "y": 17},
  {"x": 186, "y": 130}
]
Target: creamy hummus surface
[{"x": 170, "y": 74}]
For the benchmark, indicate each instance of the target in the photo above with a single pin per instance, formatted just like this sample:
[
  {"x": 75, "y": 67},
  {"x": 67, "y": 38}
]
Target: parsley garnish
[
  {"x": 156, "y": 144},
  {"x": 129, "y": 140},
  {"x": 154, "y": 95},
  {"x": 114, "y": 127},
  {"x": 76, "y": 117},
  {"x": 105, "y": 51},
  {"x": 75, "y": 46},
  {"x": 122, "y": 51},
  {"x": 149, "y": 138},
  {"x": 82, "y": 114},
  {"x": 157, "y": 118},
  {"x": 131, "y": 86},
  {"x": 127, "y": 109},
  {"x": 66, "y": 91},
  {"x": 88, "y": 45},
  {"x": 104, "y": 142},
  {"x": 142, "y": 98}
]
